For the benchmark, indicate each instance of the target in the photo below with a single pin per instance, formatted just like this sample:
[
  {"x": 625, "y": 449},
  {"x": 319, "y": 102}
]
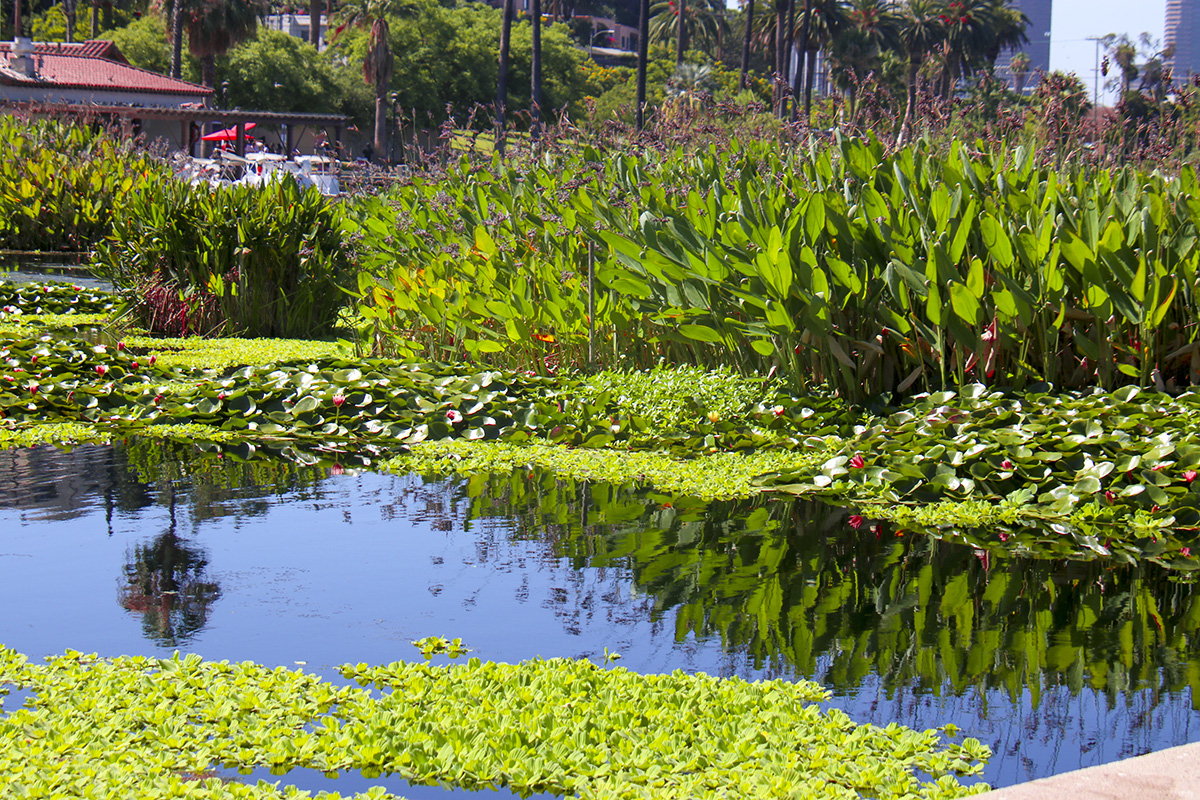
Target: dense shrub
[
  {"x": 244, "y": 260},
  {"x": 60, "y": 183}
]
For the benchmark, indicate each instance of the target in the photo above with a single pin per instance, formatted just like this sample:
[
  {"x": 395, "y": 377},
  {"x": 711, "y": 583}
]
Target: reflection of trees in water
[
  {"x": 64, "y": 484},
  {"x": 220, "y": 485},
  {"x": 165, "y": 582},
  {"x": 794, "y": 586}
]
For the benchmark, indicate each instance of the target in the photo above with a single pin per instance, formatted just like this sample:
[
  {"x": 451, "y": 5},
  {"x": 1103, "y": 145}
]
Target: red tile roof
[
  {"x": 92, "y": 48},
  {"x": 92, "y": 65}
]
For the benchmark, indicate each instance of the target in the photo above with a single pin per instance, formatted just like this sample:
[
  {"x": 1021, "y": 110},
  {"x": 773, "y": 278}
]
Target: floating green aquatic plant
[{"x": 135, "y": 726}]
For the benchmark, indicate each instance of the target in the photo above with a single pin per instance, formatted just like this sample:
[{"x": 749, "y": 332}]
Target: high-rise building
[
  {"x": 1183, "y": 36},
  {"x": 1038, "y": 33}
]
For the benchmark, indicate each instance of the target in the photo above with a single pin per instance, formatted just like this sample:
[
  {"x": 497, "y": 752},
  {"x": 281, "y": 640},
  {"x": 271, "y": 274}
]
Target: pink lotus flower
[
  {"x": 857, "y": 462},
  {"x": 778, "y": 411},
  {"x": 1185, "y": 551},
  {"x": 33, "y": 360},
  {"x": 1109, "y": 496},
  {"x": 337, "y": 469},
  {"x": 158, "y": 399},
  {"x": 1190, "y": 475},
  {"x": 454, "y": 416},
  {"x": 856, "y": 521},
  {"x": 1006, "y": 464},
  {"x": 33, "y": 388},
  {"x": 152, "y": 360},
  {"x": 101, "y": 369},
  {"x": 339, "y": 400},
  {"x": 134, "y": 366},
  {"x": 120, "y": 345},
  {"x": 1003, "y": 536}
]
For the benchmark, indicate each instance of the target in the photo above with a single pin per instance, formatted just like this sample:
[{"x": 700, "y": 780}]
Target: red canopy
[{"x": 227, "y": 135}]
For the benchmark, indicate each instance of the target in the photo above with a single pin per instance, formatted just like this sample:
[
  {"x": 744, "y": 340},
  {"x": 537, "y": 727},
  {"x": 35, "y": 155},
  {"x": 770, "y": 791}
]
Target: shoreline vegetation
[{"x": 978, "y": 343}]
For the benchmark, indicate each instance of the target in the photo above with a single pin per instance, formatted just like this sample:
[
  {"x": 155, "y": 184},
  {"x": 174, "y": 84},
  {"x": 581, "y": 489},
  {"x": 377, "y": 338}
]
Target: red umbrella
[{"x": 227, "y": 135}]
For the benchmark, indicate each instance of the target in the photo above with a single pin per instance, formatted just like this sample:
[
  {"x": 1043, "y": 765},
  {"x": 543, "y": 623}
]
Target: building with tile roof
[
  {"x": 93, "y": 80},
  {"x": 87, "y": 72}
]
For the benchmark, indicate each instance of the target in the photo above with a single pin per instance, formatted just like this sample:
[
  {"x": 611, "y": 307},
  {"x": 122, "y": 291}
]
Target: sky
[{"x": 1072, "y": 21}]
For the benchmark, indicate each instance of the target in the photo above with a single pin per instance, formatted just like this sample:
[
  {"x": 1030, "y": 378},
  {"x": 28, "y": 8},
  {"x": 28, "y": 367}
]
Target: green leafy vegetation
[
  {"x": 707, "y": 475},
  {"x": 138, "y": 725},
  {"x": 867, "y": 272},
  {"x": 1061, "y": 475},
  {"x": 256, "y": 261},
  {"x": 61, "y": 183}
]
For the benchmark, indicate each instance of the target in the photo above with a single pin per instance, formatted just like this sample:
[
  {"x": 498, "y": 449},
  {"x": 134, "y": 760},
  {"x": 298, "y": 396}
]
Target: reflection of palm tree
[{"x": 165, "y": 583}]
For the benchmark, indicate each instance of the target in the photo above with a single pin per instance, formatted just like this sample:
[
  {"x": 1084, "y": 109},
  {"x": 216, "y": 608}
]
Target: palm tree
[
  {"x": 1019, "y": 66},
  {"x": 642, "y": 60},
  {"x": 823, "y": 20},
  {"x": 702, "y": 22},
  {"x": 502, "y": 75},
  {"x": 742, "y": 80},
  {"x": 857, "y": 50},
  {"x": 212, "y": 26},
  {"x": 378, "y": 60},
  {"x": 69, "y": 12},
  {"x": 535, "y": 73},
  {"x": 215, "y": 27},
  {"x": 314, "y": 21},
  {"x": 967, "y": 33},
  {"x": 1008, "y": 30},
  {"x": 919, "y": 31}
]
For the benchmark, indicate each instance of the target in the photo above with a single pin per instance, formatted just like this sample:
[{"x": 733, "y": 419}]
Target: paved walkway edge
[{"x": 1172, "y": 774}]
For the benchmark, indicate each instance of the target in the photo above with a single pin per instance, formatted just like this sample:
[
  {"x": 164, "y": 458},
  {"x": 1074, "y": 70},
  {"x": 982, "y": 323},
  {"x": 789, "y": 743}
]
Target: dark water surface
[{"x": 148, "y": 547}]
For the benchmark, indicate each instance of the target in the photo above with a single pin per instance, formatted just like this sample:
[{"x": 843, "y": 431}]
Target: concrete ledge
[{"x": 1172, "y": 774}]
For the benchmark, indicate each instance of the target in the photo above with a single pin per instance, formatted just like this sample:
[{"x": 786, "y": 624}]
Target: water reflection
[
  {"x": 1054, "y": 664},
  {"x": 796, "y": 587},
  {"x": 165, "y": 582}
]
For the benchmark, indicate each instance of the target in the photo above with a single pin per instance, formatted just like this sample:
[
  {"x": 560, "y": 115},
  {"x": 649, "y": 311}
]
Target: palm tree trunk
[
  {"x": 790, "y": 41},
  {"x": 381, "y": 110},
  {"x": 914, "y": 67},
  {"x": 208, "y": 70},
  {"x": 742, "y": 81},
  {"x": 17, "y": 28},
  {"x": 69, "y": 13},
  {"x": 314, "y": 22},
  {"x": 535, "y": 74},
  {"x": 643, "y": 51},
  {"x": 810, "y": 75},
  {"x": 681, "y": 34},
  {"x": 176, "y": 39},
  {"x": 95, "y": 18},
  {"x": 108, "y": 15},
  {"x": 780, "y": 39},
  {"x": 502, "y": 75},
  {"x": 804, "y": 29}
]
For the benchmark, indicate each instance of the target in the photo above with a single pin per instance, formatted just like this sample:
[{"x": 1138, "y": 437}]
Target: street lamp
[{"x": 592, "y": 40}]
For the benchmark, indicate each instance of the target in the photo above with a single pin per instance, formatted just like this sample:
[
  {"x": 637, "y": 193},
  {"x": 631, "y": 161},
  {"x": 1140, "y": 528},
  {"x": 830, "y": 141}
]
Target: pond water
[{"x": 148, "y": 547}]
